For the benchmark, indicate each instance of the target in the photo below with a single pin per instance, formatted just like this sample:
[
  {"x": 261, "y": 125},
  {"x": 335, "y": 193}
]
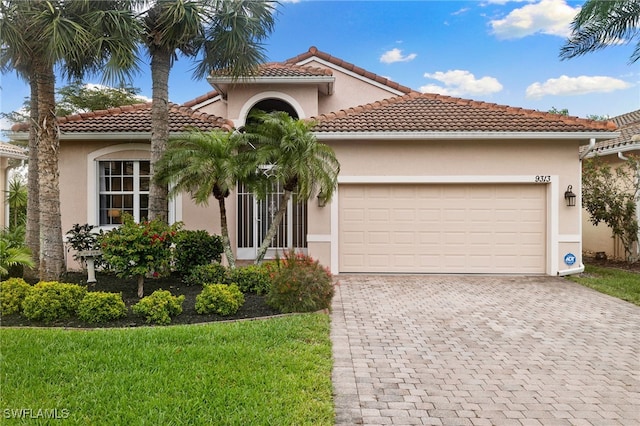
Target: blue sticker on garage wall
[{"x": 569, "y": 259}]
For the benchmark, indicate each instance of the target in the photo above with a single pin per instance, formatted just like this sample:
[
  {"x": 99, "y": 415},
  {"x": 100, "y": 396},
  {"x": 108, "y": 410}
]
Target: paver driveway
[{"x": 465, "y": 350}]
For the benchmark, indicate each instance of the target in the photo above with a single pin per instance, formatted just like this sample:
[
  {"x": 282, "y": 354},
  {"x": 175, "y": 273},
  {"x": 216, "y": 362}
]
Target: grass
[
  {"x": 265, "y": 372},
  {"x": 614, "y": 282}
]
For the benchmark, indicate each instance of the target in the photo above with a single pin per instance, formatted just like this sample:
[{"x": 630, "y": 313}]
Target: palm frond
[{"x": 602, "y": 23}]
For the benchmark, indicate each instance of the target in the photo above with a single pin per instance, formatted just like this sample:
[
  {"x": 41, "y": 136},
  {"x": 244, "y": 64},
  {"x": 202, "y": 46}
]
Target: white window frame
[
  {"x": 114, "y": 153},
  {"x": 136, "y": 192}
]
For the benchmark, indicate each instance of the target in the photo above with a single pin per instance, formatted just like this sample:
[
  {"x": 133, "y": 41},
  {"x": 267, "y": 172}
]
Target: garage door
[{"x": 442, "y": 228}]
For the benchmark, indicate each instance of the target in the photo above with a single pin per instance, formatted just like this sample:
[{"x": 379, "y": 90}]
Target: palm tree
[
  {"x": 18, "y": 55},
  {"x": 303, "y": 165},
  {"x": 80, "y": 36},
  {"x": 223, "y": 34},
  {"x": 13, "y": 252},
  {"x": 17, "y": 201},
  {"x": 601, "y": 23},
  {"x": 206, "y": 164}
]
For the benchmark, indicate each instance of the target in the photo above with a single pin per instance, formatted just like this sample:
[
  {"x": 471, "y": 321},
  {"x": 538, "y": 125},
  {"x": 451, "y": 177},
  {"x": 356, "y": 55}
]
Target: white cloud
[
  {"x": 552, "y": 17},
  {"x": 5, "y": 124},
  {"x": 569, "y": 86},
  {"x": 461, "y": 83},
  {"x": 395, "y": 55}
]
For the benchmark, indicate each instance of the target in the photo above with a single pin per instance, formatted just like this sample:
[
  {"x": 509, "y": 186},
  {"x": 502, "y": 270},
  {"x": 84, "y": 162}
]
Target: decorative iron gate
[{"x": 256, "y": 215}]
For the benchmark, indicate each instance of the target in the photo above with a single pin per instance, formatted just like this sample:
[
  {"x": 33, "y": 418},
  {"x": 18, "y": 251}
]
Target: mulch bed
[
  {"x": 613, "y": 263},
  {"x": 254, "y": 306}
]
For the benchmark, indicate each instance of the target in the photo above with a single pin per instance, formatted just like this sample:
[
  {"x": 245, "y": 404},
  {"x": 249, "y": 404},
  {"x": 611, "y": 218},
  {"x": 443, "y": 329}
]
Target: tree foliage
[
  {"x": 78, "y": 97},
  {"x": 610, "y": 195},
  {"x": 206, "y": 164},
  {"x": 223, "y": 35},
  {"x": 78, "y": 37},
  {"x": 602, "y": 23}
]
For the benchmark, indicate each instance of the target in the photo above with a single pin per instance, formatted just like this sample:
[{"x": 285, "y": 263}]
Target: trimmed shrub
[
  {"x": 12, "y": 293},
  {"x": 159, "y": 307},
  {"x": 100, "y": 306},
  {"x": 251, "y": 278},
  {"x": 194, "y": 248},
  {"x": 139, "y": 249},
  {"x": 300, "y": 284},
  {"x": 213, "y": 273},
  {"x": 50, "y": 300},
  {"x": 219, "y": 299}
]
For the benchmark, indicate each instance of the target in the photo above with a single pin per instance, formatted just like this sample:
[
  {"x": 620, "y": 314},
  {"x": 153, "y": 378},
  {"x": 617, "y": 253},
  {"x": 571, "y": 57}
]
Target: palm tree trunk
[
  {"x": 158, "y": 194},
  {"x": 140, "y": 286},
  {"x": 273, "y": 228},
  {"x": 51, "y": 247},
  {"x": 32, "y": 235},
  {"x": 226, "y": 242}
]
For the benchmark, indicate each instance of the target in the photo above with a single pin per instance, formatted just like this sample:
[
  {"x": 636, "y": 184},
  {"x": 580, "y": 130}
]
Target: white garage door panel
[{"x": 442, "y": 228}]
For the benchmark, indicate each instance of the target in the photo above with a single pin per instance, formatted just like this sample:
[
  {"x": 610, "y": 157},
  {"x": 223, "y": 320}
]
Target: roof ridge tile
[{"x": 313, "y": 51}]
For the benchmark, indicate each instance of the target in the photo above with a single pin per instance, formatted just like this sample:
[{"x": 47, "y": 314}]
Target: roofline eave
[
  {"x": 270, "y": 80},
  {"x": 614, "y": 150},
  {"x": 585, "y": 136},
  {"x": 114, "y": 136}
]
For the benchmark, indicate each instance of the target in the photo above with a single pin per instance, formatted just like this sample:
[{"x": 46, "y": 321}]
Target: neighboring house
[
  {"x": 7, "y": 152},
  {"x": 428, "y": 183},
  {"x": 613, "y": 151}
]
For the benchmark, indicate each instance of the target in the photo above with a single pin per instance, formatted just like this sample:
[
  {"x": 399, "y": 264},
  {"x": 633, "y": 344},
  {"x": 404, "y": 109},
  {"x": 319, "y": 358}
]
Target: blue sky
[{"x": 498, "y": 51}]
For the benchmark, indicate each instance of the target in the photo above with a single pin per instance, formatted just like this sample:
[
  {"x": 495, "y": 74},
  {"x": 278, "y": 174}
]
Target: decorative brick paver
[{"x": 482, "y": 350}]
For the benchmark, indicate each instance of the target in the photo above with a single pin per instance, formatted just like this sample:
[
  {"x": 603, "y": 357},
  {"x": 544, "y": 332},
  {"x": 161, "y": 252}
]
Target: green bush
[
  {"x": 159, "y": 307},
  {"x": 100, "y": 306},
  {"x": 50, "y": 300},
  {"x": 139, "y": 249},
  {"x": 219, "y": 299},
  {"x": 12, "y": 293},
  {"x": 213, "y": 273},
  {"x": 252, "y": 278},
  {"x": 194, "y": 248},
  {"x": 300, "y": 284}
]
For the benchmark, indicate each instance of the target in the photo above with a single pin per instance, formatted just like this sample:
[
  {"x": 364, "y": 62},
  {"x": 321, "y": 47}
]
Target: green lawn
[
  {"x": 614, "y": 282},
  {"x": 265, "y": 372}
]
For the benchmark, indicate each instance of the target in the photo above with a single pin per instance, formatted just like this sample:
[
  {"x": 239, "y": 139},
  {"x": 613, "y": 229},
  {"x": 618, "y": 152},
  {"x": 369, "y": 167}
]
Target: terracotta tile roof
[
  {"x": 426, "y": 112},
  {"x": 280, "y": 69},
  {"x": 135, "y": 118},
  {"x": 200, "y": 99},
  {"x": 629, "y": 126},
  {"x": 277, "y": 69},
  {"x": 313, "y": 51},
  {"x": 12, "y": 151}
]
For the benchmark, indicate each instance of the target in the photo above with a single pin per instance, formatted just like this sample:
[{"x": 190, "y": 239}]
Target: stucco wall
[
  {"x": 600, "y": 238},
  {"x": 468, "y": 161}
]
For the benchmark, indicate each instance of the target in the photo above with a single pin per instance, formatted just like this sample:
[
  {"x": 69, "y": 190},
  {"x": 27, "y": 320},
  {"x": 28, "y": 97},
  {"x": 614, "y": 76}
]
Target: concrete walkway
[{"x": 463, "y": 350}]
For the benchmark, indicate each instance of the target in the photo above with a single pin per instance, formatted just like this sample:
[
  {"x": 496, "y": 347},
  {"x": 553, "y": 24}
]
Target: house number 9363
[{"x": 543, "y": 179}]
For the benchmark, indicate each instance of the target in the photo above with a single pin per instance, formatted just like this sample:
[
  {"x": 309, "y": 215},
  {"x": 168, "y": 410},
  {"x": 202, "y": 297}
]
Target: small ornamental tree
[
  {"x": 139, "y": 249},
  {"x": 610, "y": 195}
]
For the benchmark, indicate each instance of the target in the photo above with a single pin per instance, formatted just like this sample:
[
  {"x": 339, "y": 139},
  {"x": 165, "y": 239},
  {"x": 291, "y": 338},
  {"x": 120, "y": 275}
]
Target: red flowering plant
[
  {"x": 139, "y": 249},
  {"x": 299, "y": 284}
]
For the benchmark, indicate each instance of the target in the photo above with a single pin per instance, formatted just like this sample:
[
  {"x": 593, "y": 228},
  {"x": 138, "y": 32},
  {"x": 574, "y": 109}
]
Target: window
[{"x": 124, "y": 188}]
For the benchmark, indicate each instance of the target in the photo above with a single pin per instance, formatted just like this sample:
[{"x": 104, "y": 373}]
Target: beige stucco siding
[
  {"x": 374, "y": 162},
  {"x": 549, "y": 165},
  {"x": 304, "y": 99},
  {"x": 350, "y": 90}
]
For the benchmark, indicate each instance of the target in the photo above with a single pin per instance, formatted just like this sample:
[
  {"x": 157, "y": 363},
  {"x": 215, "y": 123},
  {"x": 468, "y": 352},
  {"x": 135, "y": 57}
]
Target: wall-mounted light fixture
[
  {"x": 570, "y": 197},
  {"x": 322, "y": 200}
]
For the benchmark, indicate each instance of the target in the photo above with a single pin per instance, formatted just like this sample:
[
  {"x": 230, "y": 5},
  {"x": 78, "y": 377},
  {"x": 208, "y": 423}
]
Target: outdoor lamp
[
  {"x": 322, "y": 200},
  {"x": 570, "y": 197}
]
